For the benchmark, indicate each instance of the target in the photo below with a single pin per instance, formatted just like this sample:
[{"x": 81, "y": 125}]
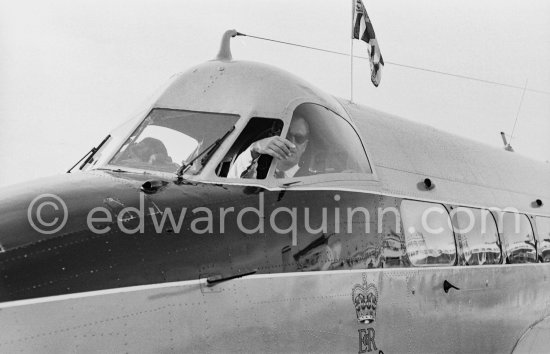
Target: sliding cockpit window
[
  {"x": 167, "y": 138},
  {"x": 330, "y": 144},
  {"x": 241, "y": 161},
  {"x": 317, "y": 142}
]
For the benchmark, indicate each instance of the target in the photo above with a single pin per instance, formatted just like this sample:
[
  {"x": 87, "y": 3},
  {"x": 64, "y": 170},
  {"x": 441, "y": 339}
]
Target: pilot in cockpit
[{"x": 288, "y": 152}]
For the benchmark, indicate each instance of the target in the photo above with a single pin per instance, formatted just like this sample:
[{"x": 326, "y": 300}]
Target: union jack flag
[{"x": 362, "y": 29}]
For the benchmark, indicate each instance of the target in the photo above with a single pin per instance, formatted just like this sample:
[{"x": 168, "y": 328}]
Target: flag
[{"x": 362, "y": 29}]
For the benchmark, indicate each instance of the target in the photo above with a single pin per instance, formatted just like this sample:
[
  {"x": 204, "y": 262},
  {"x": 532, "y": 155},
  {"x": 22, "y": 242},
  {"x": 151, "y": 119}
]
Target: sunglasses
[{"x": 297, "y": 139}]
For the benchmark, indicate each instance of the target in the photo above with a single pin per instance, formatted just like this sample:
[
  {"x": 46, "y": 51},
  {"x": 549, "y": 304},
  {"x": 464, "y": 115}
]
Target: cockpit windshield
[{"x": 168, "y": 138}]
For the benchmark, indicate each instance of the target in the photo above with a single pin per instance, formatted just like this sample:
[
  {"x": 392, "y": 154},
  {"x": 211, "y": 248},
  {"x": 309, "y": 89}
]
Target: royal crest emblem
[{"x": 365, "y": 299}]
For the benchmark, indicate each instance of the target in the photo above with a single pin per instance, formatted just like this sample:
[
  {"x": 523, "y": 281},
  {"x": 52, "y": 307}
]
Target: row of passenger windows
[{"x": 482, "y": 236}]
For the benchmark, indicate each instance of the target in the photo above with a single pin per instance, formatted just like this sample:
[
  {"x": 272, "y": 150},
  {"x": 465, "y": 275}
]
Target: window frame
[{"x": 208, "y": 173}]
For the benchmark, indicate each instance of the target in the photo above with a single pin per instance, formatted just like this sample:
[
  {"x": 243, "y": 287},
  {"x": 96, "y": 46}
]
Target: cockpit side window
[
  {"x": 325, "y": 143},
  {"x": 239, "y": 162},
  {"x": 317, "y": 141}
]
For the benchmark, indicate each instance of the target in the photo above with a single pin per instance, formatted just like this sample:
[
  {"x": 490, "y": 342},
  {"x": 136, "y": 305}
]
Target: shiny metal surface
[
  {"x": 465, "y": 172},
  {"x": 311, "y": 312}
]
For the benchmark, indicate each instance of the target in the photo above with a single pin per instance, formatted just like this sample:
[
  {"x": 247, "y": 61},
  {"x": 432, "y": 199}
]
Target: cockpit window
[
  {"x": 325, "y": 143},
  {"x": 317, "y": 141},
  {"x": 239, "y": 161},
  {"x": 167, "y": 138}
]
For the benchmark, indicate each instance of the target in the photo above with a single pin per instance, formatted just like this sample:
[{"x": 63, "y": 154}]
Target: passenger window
[
  {"x": 477, "y": 236},
  {"x": 428, "y": 236},
  {"x": 543, "y": 237},
  {"x": 517, "y": 238}
]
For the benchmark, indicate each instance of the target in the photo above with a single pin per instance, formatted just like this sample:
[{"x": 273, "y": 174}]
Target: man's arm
[{"x": 275, "y": 146}]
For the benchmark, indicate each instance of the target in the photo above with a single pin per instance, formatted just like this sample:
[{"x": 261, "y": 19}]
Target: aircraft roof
[
  {"x": 242, "y": 87},
  {"x": 403, "y": 152},
  {"x": 465, "y": 171}
]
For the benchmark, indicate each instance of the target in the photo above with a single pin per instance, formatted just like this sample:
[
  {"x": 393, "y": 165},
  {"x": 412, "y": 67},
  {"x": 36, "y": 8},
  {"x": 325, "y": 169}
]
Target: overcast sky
[{"x": 71, "y": 71}]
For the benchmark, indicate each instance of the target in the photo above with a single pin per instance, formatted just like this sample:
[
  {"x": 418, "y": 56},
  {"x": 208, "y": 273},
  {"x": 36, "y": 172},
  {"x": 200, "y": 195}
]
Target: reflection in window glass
[
  {"x": 428, "y": 236},
  {"x": 394, "y": 250},
  {"x": 478, "y": 236},
  {"x": 543, "y": 237},
  {"x": 517, "y": 238}
]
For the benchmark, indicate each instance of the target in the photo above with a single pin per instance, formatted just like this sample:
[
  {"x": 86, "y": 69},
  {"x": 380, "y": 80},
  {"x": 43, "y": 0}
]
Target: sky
[{"x": 71, "y": 71}]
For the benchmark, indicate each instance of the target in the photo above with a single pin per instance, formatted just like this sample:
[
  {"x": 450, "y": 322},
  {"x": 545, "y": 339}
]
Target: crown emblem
[{"x": 365, "y": 299}]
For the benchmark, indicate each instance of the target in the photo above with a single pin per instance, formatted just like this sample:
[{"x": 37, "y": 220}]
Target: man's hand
[{"x": 275, "y": 146}]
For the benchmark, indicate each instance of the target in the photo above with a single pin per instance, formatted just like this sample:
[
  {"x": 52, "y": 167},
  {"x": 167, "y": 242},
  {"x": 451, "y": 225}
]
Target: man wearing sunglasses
[{"x": 287, "y": 152}]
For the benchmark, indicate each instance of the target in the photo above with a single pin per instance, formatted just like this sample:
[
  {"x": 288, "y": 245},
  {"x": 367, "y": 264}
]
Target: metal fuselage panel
[
  {"x": 83, "y": 289},
  {"x": 230, "y": 239},
  {"x": 310, "y": 311}
]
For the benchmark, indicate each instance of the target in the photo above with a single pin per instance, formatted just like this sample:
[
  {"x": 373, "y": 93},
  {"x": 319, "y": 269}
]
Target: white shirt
[{"x": 245, "y": 160}]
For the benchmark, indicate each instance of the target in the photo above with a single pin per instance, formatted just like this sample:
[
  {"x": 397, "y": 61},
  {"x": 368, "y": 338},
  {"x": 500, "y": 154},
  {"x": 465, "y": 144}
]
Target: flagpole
[{"x": 351, "y": 50}]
